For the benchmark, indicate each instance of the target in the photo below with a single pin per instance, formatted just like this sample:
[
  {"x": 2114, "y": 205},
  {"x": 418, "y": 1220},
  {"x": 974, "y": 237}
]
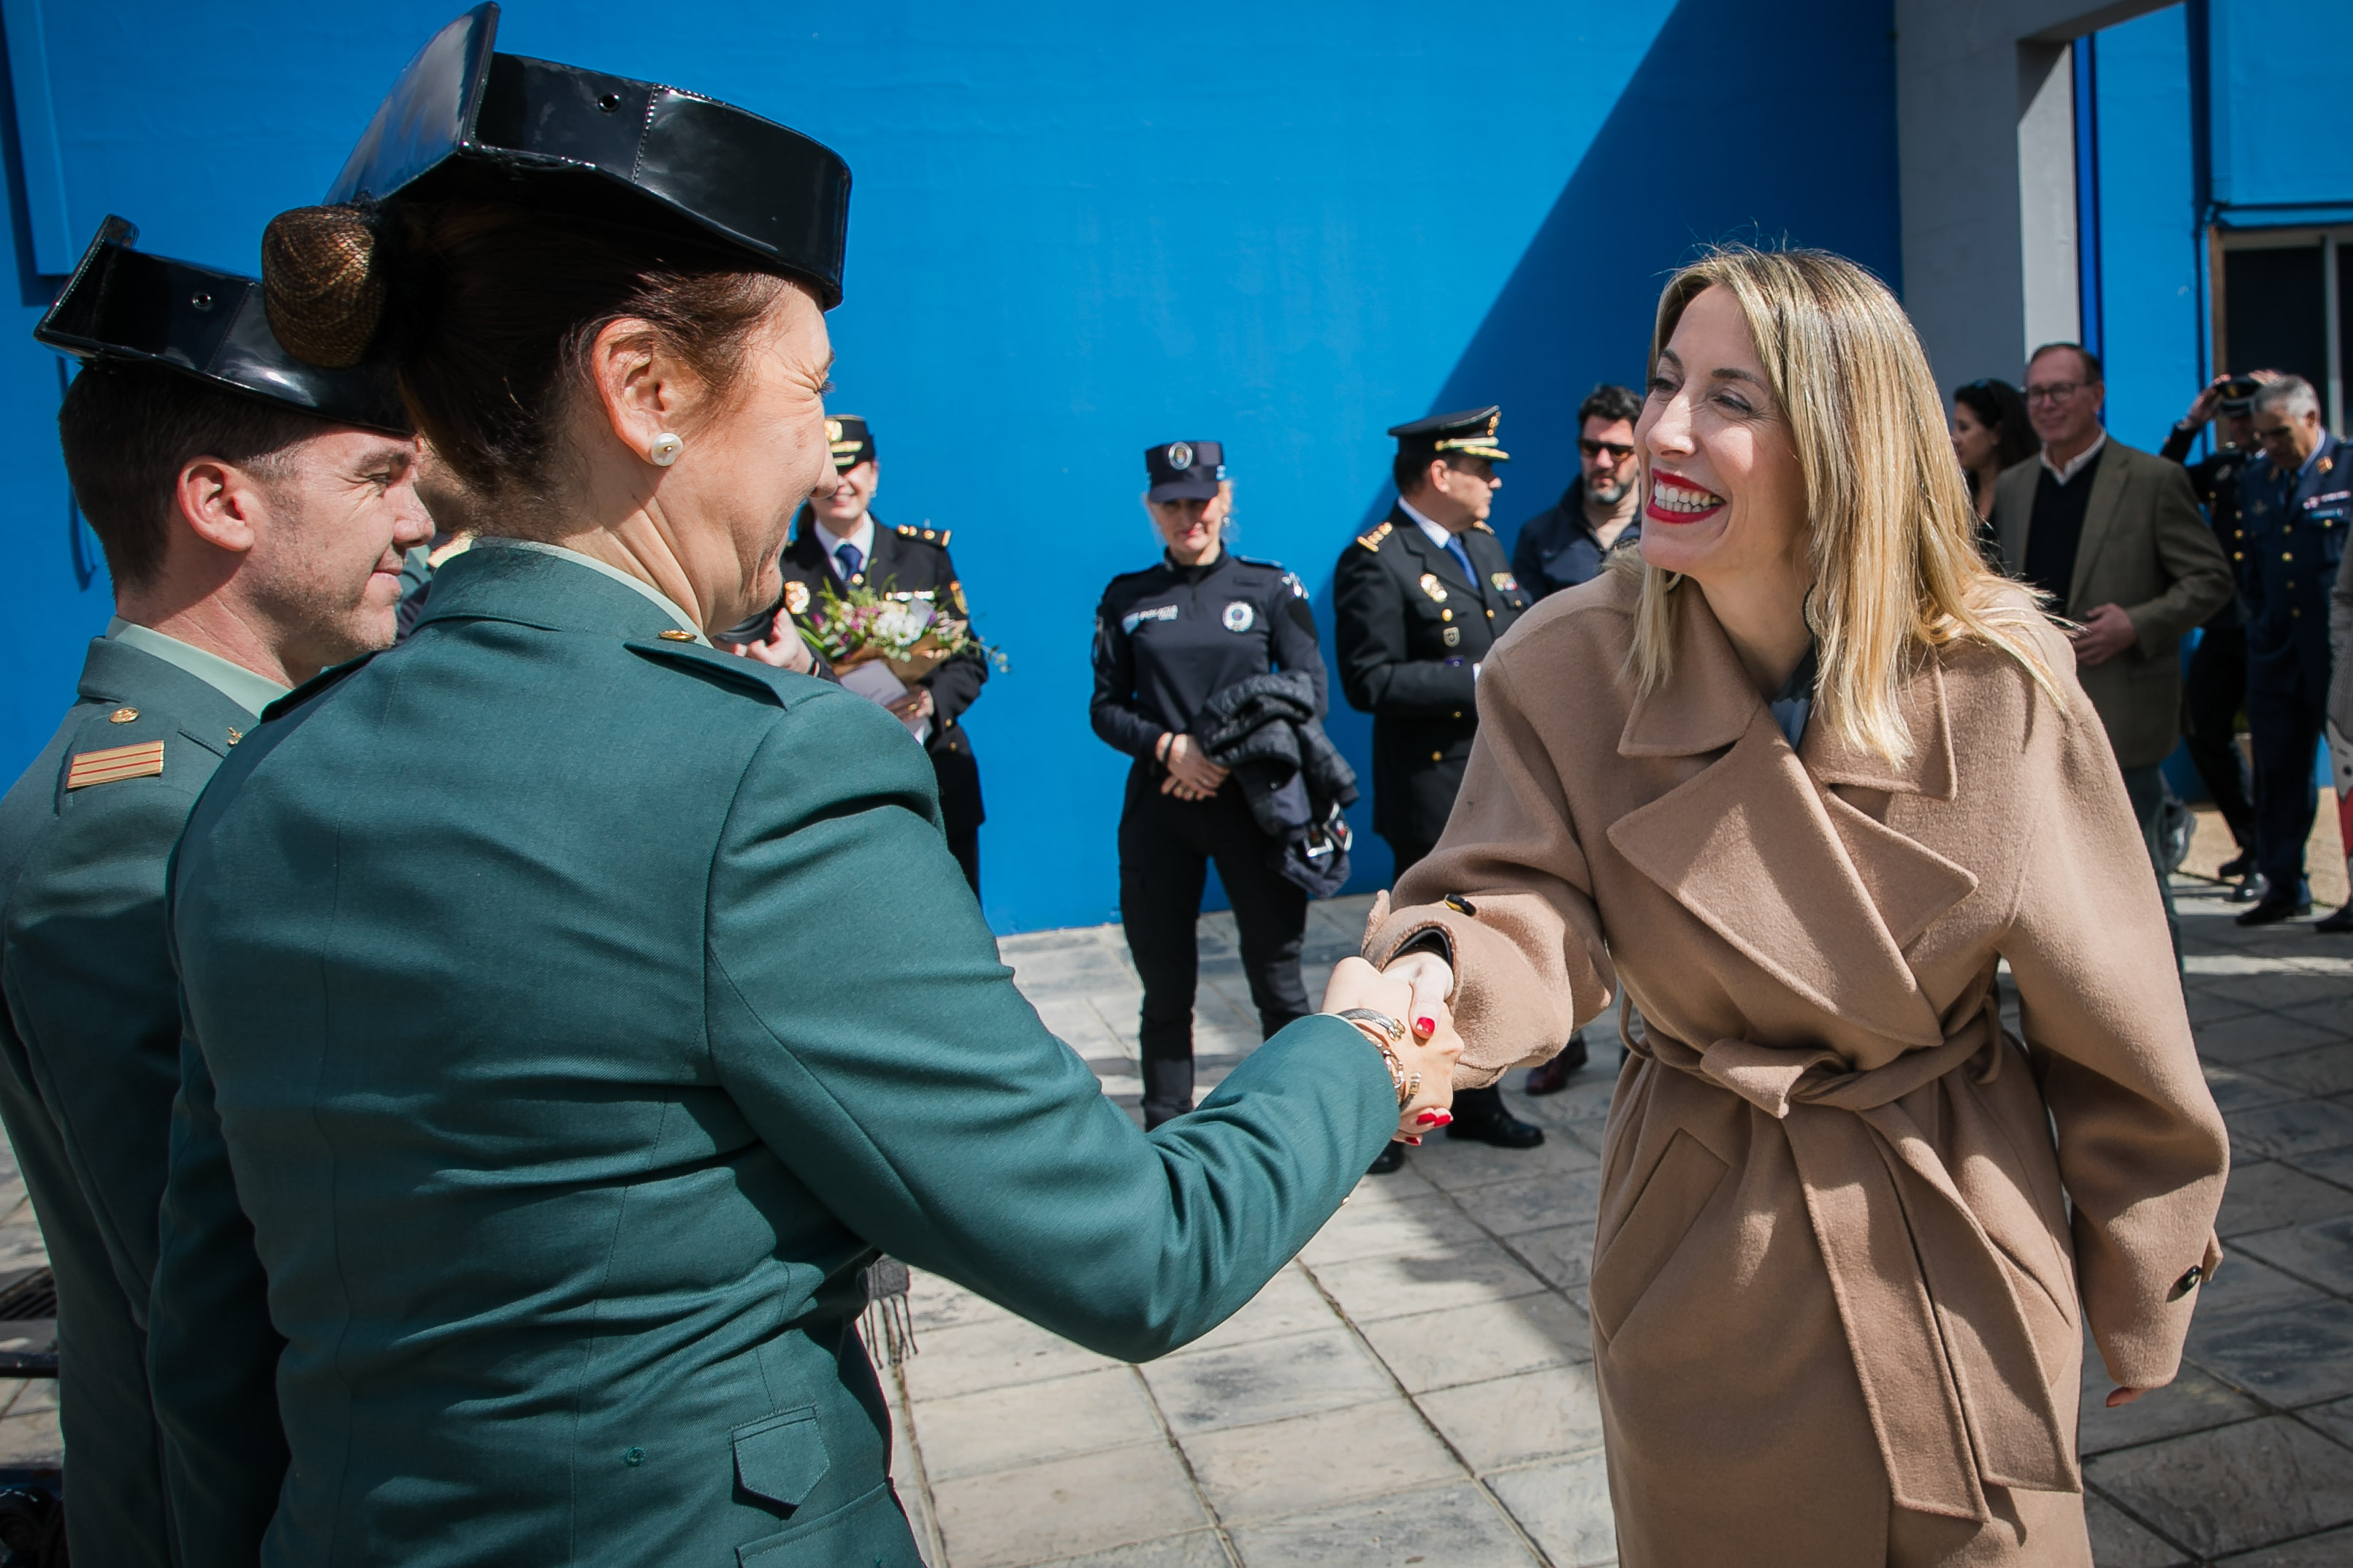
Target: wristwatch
[{"x": 1386, "y": 1034}]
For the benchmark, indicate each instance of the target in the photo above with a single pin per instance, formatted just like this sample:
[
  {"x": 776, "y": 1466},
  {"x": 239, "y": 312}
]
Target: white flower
[{"x": 903, "y": 624}]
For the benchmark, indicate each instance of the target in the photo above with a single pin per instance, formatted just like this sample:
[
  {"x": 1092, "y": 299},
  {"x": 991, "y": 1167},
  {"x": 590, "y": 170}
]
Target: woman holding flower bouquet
[{"x": 574, "y": 1008}]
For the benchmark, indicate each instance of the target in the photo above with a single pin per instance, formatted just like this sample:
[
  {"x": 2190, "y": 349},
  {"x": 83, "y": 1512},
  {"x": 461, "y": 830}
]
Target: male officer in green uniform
[
  {"x": 253, "y": 510},
  {"x": 1417, "y": 603}
]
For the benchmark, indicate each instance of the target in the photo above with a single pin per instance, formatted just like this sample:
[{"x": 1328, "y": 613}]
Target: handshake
[{"x": 1424, "y": 1049}]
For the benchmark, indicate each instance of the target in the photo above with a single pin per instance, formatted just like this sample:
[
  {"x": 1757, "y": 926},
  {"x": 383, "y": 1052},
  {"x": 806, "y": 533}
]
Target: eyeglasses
[
  {"x": 2054, "y": 392},
  {"x": 1618, "y": 453}
]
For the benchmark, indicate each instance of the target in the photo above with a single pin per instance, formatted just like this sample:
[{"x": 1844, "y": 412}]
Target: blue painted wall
[
  {"x": 1077, "y": 230},
  {"x": 2150, "y": 237}
]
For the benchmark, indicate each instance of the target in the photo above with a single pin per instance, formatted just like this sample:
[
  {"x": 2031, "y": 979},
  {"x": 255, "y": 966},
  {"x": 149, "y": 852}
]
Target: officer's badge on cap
[
  {"x": 1467, "y": 434},
  {"x": 463, "y": 121},
  {"x": 123, "y": 304},
  {"x": 1184, "y": 470},
  {"x": 852, "y": 442}
]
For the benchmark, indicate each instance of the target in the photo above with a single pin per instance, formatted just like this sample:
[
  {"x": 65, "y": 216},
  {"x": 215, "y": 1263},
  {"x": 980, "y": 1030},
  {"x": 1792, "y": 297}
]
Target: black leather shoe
[
  {"x": 2338, "y": 923},
  {"x": 1503, "y": 1130},
  {"x": 1552, "y": 1076},
  {"x": 2271, "y": 911},
  {"x": 2231, "y": 870},
  {"x": 1390, "y": 1161},
  {"x": 2251, "y": 888}
]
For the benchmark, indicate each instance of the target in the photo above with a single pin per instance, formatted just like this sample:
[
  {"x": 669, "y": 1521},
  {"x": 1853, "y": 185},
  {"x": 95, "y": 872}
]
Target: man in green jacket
[{"x": 252, "y": 510}]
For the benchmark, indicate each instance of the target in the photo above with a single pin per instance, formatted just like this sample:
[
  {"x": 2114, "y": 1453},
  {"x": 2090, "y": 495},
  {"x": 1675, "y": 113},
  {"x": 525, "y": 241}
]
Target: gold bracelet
[{"x": 1384, "y": 1031}]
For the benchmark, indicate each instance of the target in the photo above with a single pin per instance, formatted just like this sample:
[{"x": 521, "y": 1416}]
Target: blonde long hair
[{"x": 1893, "y": 537}]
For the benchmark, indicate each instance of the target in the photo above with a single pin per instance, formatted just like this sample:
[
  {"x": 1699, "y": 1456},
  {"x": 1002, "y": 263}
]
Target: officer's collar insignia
[
  {"x": 2324, "y": 465},
  {"x": 1180, "y": 455},
  {"x": 1433, "y": 587},
  {"x": 144, "y": 760}
]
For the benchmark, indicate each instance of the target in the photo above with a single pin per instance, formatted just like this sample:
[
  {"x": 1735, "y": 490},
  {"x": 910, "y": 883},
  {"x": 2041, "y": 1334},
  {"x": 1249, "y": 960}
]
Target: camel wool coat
[{"x": 1837, "y": 1291}]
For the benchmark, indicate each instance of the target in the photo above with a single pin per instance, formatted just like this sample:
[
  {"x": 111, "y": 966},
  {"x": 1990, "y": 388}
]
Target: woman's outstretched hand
[{"x": 1430, "y": 1046}]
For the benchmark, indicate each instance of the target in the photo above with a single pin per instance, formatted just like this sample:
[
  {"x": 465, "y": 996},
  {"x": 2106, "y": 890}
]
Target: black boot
[
  {"x": 1480, "y": 1117},
  {"x": 1168, "y": 1089},
  {"x": 1392, "y": 1159},
  {"x": 1552, "y": 1076}
]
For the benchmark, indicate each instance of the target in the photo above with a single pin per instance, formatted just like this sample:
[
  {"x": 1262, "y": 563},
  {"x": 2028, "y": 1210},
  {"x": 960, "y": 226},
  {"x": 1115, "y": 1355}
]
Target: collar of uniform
[
  {"x": 2328, "y": 448},
  {"x": 552, "y": 588},
  {"x": 241, "y": 686},
  {"x": 1198, "y": 569},
  {"x": 122, "y": 674},
  {"x": 861, "y": 537},
  {"x": 1435, "y": 532}
]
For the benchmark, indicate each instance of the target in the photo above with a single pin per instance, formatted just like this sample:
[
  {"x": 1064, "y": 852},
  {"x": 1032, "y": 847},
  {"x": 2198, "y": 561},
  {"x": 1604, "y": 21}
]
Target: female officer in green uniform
[{"x": 573, "y": 1008}]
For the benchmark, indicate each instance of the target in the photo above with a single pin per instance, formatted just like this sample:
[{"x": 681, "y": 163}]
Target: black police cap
[
  {"x": 852, "y": 442},
  {"x": 1184, "y": 470},
  {"x": 123, "y": 304},
  {"x": 1470, "y": 433},
  {"x": 463, "y": 121}
]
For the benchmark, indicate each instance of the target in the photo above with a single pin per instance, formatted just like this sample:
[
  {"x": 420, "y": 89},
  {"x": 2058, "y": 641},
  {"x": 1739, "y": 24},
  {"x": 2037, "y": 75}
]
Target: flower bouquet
[{"x": 879, "y": 645}]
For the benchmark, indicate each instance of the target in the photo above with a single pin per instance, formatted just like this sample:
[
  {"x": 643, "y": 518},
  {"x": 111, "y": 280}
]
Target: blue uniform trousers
[{"x": 2283, "y": 719}]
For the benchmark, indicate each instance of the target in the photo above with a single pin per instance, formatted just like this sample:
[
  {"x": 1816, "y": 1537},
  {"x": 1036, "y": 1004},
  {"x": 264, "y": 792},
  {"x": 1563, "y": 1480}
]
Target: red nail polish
[
  {"x": 1431, "y": 1119},
  {"x": 1443, "y": 1118},
  {"x": 1413, "y": 1142},
  {"x": 1425, "y": 1025}
]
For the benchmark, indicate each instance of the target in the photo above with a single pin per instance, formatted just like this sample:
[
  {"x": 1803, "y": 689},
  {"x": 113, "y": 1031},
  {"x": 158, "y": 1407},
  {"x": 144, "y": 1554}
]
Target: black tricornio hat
[
  {"x": 463, "y": 121},
  {"x": 1469, "y": 434},
  {"x": 852, "y": 442},
  {"x": 122, "y": 304},
  {"x": 1184, "y": 470}
]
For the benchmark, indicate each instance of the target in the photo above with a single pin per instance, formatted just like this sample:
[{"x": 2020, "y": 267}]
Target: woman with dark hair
[
  {"x": 1991, "y": 433},
  {"x": 573, "y": 1008}
]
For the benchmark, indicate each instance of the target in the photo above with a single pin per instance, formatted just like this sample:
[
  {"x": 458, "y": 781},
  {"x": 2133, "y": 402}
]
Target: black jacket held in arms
[{"x": 1264, "y": 731}]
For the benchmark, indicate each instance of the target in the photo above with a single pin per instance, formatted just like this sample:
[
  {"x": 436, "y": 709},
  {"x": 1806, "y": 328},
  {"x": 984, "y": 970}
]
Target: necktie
[
  {"x": 848, "y": 554},
  {"x": 1462, "y": 559}
]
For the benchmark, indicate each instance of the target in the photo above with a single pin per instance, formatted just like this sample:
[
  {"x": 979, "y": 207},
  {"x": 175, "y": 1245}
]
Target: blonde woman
[{"x": 1797, "y": 779}]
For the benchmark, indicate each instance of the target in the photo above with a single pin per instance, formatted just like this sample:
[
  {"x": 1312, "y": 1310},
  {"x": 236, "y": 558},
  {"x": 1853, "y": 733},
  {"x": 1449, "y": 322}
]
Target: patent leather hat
[
  {"x": 123, "y": 304},
  {"x": 463, "y": 121},
  {"x": 1470, "y": 433}
]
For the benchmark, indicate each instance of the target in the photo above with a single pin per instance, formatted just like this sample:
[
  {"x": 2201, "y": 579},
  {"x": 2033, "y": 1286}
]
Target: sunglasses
[{"x": 1618, "y": 453}]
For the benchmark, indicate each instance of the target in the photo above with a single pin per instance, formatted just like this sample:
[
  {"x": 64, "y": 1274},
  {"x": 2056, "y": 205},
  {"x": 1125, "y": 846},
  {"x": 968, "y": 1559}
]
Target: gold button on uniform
[
  {"x": 1438, "y": 756},
  {"x": 674, "y": 635},
  {"x": 123, "y": 715},
  {"x": 1445, "y": 614}
]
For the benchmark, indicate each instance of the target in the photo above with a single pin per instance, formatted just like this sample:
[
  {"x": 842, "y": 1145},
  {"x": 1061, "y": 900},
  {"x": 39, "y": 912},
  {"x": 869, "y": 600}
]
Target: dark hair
[
  {"x": 1609, "y": 402},
  {"x": 2092, "y": 370},
  {"x": 2002, "y": 408},
  {"x": 487, "y": 312},
  {"x": 128, "y": 429}
]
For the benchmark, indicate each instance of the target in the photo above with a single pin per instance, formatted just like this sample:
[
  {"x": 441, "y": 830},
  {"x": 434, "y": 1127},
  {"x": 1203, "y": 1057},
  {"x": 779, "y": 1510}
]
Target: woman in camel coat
[{"x": 1798, "y": 780}]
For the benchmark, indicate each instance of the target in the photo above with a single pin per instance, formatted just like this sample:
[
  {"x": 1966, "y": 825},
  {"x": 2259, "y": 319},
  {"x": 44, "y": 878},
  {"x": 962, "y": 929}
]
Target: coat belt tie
[{"x": 1948, "y": 1365}]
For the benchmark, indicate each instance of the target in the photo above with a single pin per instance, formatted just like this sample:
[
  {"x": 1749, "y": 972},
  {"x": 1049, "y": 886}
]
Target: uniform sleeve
[
  {"x": 1368, "y": 624},
  {"x": 1529, "y": 961},
  {"x": 212, "y": 1352},
  {"x": 1294, "y": 639},
  {"x": 2177, "y": 442},
  {"x": 2197, "y": 573},
  {"x": 922, "y": 1101},
  {"x": 1117, "y": 719},
  {"x": 956, "y": 684},
  {"x": 2142, "y": 1148}
]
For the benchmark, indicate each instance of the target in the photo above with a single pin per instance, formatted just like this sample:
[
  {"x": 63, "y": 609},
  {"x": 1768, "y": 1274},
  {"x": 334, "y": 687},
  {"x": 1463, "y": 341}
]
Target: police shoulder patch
[{"x": 1372, "y": 541}]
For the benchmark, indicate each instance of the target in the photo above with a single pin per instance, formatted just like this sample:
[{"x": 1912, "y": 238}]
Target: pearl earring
[{"x": 665, "y": 450}]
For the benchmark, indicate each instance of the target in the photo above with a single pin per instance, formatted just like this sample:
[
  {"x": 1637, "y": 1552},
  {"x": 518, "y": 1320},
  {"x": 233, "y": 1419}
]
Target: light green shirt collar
[
  {"x": 249, "y": 691},
  {"x": 669, "y": 605}
]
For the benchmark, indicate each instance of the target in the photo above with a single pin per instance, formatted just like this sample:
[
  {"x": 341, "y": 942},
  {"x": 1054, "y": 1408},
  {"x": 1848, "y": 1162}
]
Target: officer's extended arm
[{"x": 1369, "y": 624}]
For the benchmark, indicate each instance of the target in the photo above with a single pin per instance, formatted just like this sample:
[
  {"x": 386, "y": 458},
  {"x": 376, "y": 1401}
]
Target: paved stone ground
[{"x": 1417, "y": 1387}]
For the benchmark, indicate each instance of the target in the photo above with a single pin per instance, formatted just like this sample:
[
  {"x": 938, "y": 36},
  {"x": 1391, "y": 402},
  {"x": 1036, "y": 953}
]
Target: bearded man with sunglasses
[{"x": 1565, "y": 545}]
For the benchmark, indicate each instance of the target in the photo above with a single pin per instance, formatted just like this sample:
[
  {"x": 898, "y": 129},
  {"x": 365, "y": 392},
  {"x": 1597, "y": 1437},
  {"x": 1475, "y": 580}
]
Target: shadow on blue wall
[{"x": 1697, "y": 150}]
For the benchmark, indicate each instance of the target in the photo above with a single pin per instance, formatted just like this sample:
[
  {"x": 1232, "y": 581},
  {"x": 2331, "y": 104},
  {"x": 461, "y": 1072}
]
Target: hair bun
[{"x": 321, "y": 283}]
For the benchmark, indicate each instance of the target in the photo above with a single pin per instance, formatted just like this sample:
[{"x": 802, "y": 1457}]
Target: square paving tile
[
  {"x": 2321, "y": 1252},
  {"x": 2256, "y": 1036},
  {"x": 1280, "y": 1468},
  {"x": 1287, "y": 1304},
  {"x": 1420, "y": 1214},
  {"x": 2331, "y": 1165},
  {"x": 2297, "y": 1127},
  {"x": 2234, "y": 1487},
  {"x": 1565, "y": 1505},
  {"x": 1459, "y": 1167},
  {"x": 1564, "y": 1256},
  {"x": 31, "y": 1437},
  {"x": 2332, "y": 1550},
  {"x": 2331, "y": 1012},
  {"x": 2237, "y": 1089},
  {"x": 2267, "y": 1196},
  {"x": 1515, "y": 1420},
  {"x": 1269, "y": 1380},
  {"x": 1458, "y": 1271},
  {"x": 1508, "y": 1209},
  {"x": 2244, "y": 1287},
  {"x": 2335, "y": 1418},
  {"x": 2298, "y": 1355},
  {"x": 1002, "y": 1429},
  {"x": 2192, "y": 1402},
  {"x": 1197, "y": 1550},
  {"x": 1447, "y": 1527},
  {"x": 1475, "y": 1343},
  {"x": 995, "y": 1352},
  {"x": 2209, "y": 1006},
  {"x": 1066, "y": 1507},
  {"x": 936, "y": 1303},
  {"x": 2323, "y": 1070},
  {"x": 2118, "y": 1543}
]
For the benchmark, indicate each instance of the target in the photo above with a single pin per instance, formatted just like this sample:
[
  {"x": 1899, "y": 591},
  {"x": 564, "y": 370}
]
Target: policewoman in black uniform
[
  {"x": 1169, "y": 638},
  {"x": 1417, "y": 603},
  {"x": 839, "y": 541}
]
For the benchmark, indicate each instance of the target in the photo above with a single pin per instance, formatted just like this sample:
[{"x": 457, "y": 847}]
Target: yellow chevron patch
[{"x": 144, "y": 759}]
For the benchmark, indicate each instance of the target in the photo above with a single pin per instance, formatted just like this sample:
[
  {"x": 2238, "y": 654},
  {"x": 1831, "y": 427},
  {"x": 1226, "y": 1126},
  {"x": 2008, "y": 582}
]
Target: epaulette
[
  {"x": 938, "y": 536},
  {"x": 1483, "y": 528},
  {"x": 1241, "y": 560},
  {"x": 1372, "y": 541}
]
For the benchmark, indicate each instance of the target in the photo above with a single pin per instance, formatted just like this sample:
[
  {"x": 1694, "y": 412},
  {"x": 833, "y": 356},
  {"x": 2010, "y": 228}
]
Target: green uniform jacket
[
  {"x": 89, "y": 1051},
  {"x": 573, "y": 1012}
]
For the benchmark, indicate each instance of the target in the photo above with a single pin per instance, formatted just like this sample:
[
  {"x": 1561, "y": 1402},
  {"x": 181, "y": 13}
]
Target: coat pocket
[
  {"x": 781, "y": 1458},
  {"x": 1678, "y": 1187},
  {"x": 870, "y": 1530}
]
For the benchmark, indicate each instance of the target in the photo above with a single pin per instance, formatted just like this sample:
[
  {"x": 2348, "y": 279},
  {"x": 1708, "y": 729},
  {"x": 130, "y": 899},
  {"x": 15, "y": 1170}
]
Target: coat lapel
[
  {"x": 1809, "y": 888},
  {"x": 2099, "y": 520}
]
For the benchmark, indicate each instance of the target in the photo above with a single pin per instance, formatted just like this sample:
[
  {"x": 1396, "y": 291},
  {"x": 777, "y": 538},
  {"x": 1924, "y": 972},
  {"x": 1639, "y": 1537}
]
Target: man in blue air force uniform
[{"x": 253, "y": 511}]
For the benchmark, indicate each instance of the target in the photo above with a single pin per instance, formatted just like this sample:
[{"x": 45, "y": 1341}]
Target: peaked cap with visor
[
  {"x": 122, "y": 304},
  {"x": 466, "y": 121}
]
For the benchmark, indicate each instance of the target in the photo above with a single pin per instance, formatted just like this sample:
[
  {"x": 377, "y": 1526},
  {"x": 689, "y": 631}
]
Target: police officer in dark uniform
[
  {"x": 2297, "y": 500},
  {"x": 1417, "y": 602},
  {"x": 2215, "y": 686},
  {"x": 1167, "y": 640},
  {"x": 838, "y": 542}
]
